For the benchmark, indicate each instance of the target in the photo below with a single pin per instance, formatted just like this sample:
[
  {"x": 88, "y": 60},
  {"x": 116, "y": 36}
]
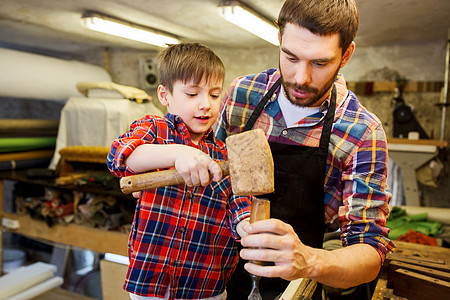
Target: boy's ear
[{"x": 162, "y": 95}]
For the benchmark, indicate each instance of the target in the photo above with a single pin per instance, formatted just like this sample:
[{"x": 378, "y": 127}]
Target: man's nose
[{"x": 303, "y": 74}]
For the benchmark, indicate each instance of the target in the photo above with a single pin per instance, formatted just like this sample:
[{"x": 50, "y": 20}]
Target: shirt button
[
  {"x": 191, "y": 195},
  {"x": 183, "y": 229},
  {"x": 284, "y": 132}
]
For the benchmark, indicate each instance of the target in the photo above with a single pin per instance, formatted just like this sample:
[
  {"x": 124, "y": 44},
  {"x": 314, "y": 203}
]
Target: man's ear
[
  {"x": 162, "y": 95},
  {"x": 348, "y": 54}
]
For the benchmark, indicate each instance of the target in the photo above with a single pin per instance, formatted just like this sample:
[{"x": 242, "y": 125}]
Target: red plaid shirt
[{"x": 180, "y": 236}]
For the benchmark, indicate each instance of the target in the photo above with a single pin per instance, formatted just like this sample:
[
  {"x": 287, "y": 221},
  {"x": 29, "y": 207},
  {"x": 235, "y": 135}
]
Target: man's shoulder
[
  {"x": 257, "y": 80},
  {"x": 354, "y": 109}
]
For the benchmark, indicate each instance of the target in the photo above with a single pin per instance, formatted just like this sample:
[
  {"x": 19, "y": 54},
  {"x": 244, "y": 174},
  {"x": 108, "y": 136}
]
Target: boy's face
[{"x": 197, "y": 105}]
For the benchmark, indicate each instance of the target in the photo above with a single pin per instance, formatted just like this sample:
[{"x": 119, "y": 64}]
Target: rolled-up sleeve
[
  {"x": 365, "y": 195},
  {"x": 141, "y": 132}
]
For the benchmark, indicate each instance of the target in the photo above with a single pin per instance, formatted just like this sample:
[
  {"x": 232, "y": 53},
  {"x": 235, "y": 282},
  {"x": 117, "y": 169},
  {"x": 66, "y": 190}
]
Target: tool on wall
[
  {"x": 404, "y": 119},
  {"x": 444, "y": 101}
]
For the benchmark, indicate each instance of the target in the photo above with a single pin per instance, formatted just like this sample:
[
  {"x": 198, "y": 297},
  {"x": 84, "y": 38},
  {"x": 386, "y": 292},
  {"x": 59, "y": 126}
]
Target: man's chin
[{"x": 301, "y": 102}]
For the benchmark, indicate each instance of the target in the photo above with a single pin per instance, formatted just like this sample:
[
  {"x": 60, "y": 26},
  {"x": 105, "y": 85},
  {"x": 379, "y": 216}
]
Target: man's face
[{"x": 309, "y": 64}]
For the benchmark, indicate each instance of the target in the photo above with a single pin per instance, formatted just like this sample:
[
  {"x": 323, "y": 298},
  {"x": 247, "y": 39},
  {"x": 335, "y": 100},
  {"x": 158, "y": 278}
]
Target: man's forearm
[{"x": 345, "y": 267}]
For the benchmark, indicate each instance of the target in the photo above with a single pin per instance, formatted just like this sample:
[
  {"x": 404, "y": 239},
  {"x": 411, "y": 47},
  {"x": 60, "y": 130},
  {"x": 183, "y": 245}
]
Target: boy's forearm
[{"x": 152, "y": 156}]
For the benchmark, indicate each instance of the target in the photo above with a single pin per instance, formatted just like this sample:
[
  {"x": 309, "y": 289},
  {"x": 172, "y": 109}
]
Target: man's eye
[{"x": 320, "y": 64}]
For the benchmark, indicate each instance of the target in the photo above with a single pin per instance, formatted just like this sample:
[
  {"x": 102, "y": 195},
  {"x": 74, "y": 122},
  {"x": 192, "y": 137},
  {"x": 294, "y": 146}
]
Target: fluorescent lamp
[
  {"x": 244, "y": 17},
  {"x": 108, "y": 25}
]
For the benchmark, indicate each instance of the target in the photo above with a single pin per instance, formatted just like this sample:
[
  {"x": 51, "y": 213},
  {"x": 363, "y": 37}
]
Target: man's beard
[{"x": 317, "y": 93}]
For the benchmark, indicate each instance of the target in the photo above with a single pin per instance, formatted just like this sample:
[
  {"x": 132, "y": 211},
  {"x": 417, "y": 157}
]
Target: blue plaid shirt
[{"x": 356, "y": 195}]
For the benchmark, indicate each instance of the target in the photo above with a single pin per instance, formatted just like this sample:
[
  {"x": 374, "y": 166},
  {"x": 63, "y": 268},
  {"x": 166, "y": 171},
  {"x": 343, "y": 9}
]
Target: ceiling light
[
  {"x": 108, "y": 25},
  {"x": 244, "y": 17}
]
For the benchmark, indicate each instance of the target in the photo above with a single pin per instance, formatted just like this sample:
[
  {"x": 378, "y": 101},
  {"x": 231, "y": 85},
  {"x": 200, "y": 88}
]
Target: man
[{"x": 330, "y": 153}]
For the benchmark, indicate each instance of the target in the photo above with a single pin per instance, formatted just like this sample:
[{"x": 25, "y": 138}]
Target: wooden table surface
[{"x": 403, "y": 248}]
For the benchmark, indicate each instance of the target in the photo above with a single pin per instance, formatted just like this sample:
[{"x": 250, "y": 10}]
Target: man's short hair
[
  {"x": 322, "y": 17},
  {"x": 188, "y": 62}
]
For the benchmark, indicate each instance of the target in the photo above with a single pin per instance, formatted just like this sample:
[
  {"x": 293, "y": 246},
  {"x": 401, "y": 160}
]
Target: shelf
[
  {"x": 75, "y": 235},
  {"x": 71, "y": 234},
  {"x": 20, "y": 175}
]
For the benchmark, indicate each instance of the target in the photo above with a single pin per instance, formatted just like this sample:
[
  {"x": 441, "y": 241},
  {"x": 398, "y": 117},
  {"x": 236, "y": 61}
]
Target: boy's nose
[{"x": 204, "y": 103}]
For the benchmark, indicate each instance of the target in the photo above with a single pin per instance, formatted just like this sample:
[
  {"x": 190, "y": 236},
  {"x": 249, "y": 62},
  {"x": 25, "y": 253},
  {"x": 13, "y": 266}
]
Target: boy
[{"x": 181, "y": 244}]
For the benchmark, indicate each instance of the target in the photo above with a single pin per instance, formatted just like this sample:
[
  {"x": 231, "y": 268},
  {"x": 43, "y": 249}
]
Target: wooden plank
[
  {"x": 381, "y": 292},
  {"x": 419, "y": 250},
  {"x": 425, "y": 142},
  {"x": 113, "y": 277},
  {"x": 394, "y": 265},
  {"x": 418, "y": 262},
  {"x": 416, "y": 286},
  {"x": 295, "y": 289},
  {"x": 61, "y": 294},
  {"x": 74, "y": 235},
  {"x": 409, "y": 249},
  {"x": 27, "y": 154},
  {"x": 430, "y": 260}
]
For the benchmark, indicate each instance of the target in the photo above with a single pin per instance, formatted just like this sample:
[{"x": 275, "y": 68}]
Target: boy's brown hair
[
  {"x": 322, "y": 17},
  {"x": 188, "y": 61}
]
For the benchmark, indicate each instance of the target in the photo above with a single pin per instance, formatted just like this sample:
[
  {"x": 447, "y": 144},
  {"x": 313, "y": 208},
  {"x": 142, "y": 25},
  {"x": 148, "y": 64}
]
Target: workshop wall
[
  {"x": 413, "y": 62},
  {"x": 419, "y": 62}
]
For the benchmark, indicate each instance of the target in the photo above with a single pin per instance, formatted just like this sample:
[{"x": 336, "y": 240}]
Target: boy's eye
[
  {"x": 191, "y": 94},
  {"x": 215, "y": 96}
]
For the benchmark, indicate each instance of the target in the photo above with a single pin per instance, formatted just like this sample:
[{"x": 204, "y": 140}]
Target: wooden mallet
[{"x": 249, "y": 164}]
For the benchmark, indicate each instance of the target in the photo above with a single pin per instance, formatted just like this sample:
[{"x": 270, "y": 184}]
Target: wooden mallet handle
[{"x": 152, "y": 180}]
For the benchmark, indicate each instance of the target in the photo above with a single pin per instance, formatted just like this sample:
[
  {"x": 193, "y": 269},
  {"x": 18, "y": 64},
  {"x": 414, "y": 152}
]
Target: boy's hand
[{"x": 196, "y": 167}]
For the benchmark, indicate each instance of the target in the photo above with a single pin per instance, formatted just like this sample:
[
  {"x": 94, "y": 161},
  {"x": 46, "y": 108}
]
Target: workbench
[{"x": 431, "y": 253}]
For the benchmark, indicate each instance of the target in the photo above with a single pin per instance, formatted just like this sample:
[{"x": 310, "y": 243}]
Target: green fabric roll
[
  {"x": 12, "y": 144},
  {"x": 400, "y": 223}
]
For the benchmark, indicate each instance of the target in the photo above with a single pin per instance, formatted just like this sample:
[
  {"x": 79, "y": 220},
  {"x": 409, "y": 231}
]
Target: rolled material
[
  {"x": 439, "y": 214},
  {"x": 38, "y": 289},
  {"x": 23, "y": 278},
  {"x": 26, "y": 143},
  {"x": 27, "y": 75}
]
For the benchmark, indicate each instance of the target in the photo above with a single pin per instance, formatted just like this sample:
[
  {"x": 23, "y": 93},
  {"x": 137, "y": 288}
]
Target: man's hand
[
  {"x": 275, "y": 241},
  {"x": 341, "y": 268}
]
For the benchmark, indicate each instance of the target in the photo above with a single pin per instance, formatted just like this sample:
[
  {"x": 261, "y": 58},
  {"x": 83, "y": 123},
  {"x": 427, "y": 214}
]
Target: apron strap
[
  {"x": 254, "y": 116},
  {"x": 328, "y": 122}
]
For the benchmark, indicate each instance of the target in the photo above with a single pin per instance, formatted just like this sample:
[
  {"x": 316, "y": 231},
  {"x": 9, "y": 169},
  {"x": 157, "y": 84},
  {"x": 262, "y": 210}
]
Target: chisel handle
[
  {"x": 260, "y": 210},
  {"x": 152, "y": 180}
]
